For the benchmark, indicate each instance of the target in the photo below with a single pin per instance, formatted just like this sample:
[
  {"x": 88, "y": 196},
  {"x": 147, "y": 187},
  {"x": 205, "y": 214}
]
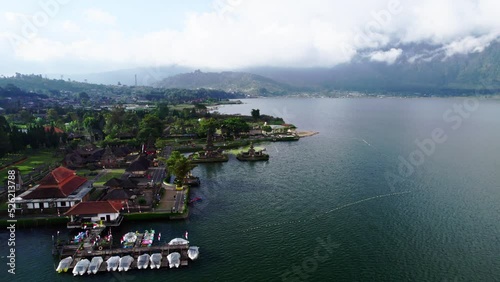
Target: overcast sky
[{"x": 76, "y": 36}]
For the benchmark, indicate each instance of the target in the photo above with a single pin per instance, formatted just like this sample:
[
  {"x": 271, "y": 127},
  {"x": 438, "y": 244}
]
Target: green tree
[
  {"x": 235, "y": 126},
  {"x": 84, "y": 98},
  {"x": 200, "y": 108},
  {"x": 5, "y": 145},
  {"x": 26, "y": 116},
  {"x": 150, "y": 126},
  {"x": 256, "y": 113},
  {"x": 267, "y": 128},
  {"x": 52, "y": 115},
  {"x": 207, "y": 126},
  {"x": 179, "y": 166},
  {"x": 162, "y": 110}
]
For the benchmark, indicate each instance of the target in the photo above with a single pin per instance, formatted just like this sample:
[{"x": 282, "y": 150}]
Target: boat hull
[
  {"x": 143, "y": 261},
  {"x": 193, "y": 252},
  {"x": 64, "y": 265},
  {"x": 112, "y": 263},
  {"x": 95, "y": 263},
  {"x": 155, "y": 261},
  {"x": 81, "y": 267},
  {"x": 125, "y": 263},
  {"x": 174, "y": 260}
]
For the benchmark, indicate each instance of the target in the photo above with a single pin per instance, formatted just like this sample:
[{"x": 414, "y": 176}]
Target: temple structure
[
  {"x": 209, "y": 154},
  {"x": 252, "y": 155}
]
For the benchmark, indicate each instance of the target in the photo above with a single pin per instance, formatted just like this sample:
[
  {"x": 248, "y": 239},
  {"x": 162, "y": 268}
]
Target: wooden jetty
[
  {"x": 135, "y": 252},
  {"x": 88, "y": 251}
]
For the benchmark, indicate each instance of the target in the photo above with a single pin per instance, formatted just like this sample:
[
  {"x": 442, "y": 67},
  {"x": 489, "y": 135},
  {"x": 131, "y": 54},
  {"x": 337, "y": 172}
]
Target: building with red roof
[
  {"x": 57, "y": 130},
  {"x": 105, "y": 213},
  {"x": 58, "y": 191}
]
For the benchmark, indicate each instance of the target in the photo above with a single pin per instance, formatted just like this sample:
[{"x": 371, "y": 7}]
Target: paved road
[
  {"x": 157, "y": 174},
  {"x": 172, "y": 199},
  {"x": 179, "y": 200}
]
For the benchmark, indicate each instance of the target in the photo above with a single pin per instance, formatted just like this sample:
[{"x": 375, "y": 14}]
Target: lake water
[{"x": 361, "y": 201}]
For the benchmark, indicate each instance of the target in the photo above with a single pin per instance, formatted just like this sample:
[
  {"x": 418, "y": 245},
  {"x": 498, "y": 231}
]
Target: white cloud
[
  {"x": 469, "y": 44},
  {"x": 70, "y": 26},
  {"x": 99, "y": 16},
  {"x": 276, "y": 33},
  {"x": 388, "y": 57}
]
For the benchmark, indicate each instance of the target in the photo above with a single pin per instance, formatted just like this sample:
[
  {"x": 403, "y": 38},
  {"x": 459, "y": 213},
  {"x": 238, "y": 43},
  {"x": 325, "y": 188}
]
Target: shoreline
[{"x": 307, "y": 133}]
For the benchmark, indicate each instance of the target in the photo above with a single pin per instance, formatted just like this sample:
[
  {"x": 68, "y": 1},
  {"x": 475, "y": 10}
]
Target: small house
[{"x": 103, "y": 213}]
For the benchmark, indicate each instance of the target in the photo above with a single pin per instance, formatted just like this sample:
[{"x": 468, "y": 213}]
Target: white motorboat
[
  {"x": 64, "y": 264},
  {"x": 155, "y": 260},
  {"x": 193, "y": 252},
  {"x": 178, "y": 241},
  {"x": 112, "y": 263},
  {"x": 174, "y": 259},
  {"x": 81, "y": 267},
  {"x": 95, "y": 263},
  {"x": 125, "y": 263},
  {"x": 143, "y": 261}
]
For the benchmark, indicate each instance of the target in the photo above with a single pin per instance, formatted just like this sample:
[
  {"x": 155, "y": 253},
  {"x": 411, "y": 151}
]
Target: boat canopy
[{"x": 178, "y": 241}]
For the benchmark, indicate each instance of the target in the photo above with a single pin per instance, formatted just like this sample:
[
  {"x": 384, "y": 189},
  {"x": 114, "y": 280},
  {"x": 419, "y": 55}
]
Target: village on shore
[
  {"x": 122, "y": 165},
  {"x": 89, "y": 158}
]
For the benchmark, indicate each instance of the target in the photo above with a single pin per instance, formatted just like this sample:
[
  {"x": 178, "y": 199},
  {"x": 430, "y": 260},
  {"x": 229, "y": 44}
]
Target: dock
[
  {"x": 89, "y": 251},
  {"x": 135, "y": 252}
]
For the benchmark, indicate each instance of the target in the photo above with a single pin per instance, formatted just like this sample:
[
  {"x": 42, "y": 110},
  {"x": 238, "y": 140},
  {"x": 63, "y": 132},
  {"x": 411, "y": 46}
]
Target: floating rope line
[{"x": 326, "y": 212}]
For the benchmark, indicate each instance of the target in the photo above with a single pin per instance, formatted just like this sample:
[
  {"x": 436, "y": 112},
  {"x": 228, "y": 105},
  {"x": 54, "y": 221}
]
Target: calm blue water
[{"x": 322, "y": 209}]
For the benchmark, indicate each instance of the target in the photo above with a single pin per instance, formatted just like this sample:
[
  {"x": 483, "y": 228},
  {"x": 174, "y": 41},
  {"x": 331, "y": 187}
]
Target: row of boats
[
  {"x": 129, "y": 239},
  {"x": 115, "y": 263}
]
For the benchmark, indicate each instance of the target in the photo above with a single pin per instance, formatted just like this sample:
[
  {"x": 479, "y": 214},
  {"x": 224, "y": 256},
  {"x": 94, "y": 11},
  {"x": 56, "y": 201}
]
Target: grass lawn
[
  {"x": 181, "y": 107},
  {"x": 111, "y": 173},
  {"x": 34, "y": 159}
]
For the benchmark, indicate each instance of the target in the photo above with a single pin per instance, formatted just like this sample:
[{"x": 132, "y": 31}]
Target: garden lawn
[
  {"x": 111, "y": 173},
  {"x": 34, "y": 159}
]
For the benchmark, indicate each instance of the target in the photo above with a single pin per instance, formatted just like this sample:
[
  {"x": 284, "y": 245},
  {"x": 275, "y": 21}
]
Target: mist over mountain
[
  {"x": 410, "y": 68},
  {"x": 418, "y": 67},
  {"x": 406, "y": 68},
  {"x": 247, "y": 83},
  {"x": 146, "y": 76}
]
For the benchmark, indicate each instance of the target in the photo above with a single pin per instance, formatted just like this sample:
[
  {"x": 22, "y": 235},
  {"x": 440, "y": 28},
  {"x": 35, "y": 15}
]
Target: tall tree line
[{"x": 13, "y": 139}]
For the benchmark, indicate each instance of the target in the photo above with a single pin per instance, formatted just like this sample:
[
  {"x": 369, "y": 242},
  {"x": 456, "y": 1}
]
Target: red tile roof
[
  {"x": 88, "y": 208},
  {"x": 56, "y": 129},
  {"x": 59, "y": 183}
]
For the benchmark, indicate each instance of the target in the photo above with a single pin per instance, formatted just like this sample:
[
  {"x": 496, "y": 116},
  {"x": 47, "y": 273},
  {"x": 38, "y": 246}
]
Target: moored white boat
[
  {"x": 155, "y": 260},
  {"x": 128, "y": 240},
  {"x": 178, "y": 241},
  {"x": 174, "y": 259},
  {"x": 112, "y": 263},
  {"x": 81, "y": 267},
  {"x": 193, "y": 252},
  {"x": 95, "y": 263},
  {"x": 143, "y": 261},
  {"x": 64, "y": 264},
  {"x": 125, "y": 263}
]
